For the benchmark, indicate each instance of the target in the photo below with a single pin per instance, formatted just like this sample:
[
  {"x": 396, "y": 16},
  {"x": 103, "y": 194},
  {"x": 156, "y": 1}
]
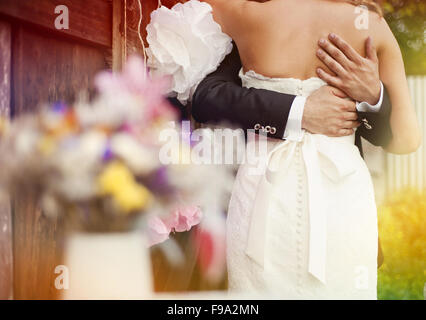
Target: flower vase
[{"x": 107, "y": 266}]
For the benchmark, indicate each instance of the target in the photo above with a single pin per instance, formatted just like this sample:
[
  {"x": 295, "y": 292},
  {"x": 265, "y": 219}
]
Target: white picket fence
[
  {"x": 391, "y": 172},
  {"x": 409, "y": 170}
]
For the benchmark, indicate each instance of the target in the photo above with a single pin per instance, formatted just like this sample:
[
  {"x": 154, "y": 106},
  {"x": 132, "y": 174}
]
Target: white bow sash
[{"x": 335, "y": 163}]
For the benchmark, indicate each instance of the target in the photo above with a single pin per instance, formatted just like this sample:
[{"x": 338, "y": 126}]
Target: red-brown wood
[
  {"x": 6, "y": 258},
  {"x": 88, "y": 20},
  {"x": 126, "y": 18},
  {"x": 5, "y": 69},
  {"x": 49, "y": 69},
  {"x": 46, "y": 69},
  {"x": 50, "y": 65}
]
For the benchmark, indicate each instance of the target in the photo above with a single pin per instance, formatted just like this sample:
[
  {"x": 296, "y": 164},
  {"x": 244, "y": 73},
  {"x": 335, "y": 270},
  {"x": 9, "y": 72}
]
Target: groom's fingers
[
  {"x": 331, "y": 80},
  {"x": 334, "y": 52},
  {"x": 351, "y": 124},
  {"x": 332, "y": 64},
  {"x": 338, "y": 93},
  {"x": 351, "y": 116},
  {"x": 345, "y": 47},
  {"x": 345, "y": 132}
]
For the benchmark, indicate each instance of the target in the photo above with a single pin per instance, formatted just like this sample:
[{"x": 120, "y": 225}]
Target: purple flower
[
  {"x": 59, "y": 107},
  {"x": 108, "y": 154}
]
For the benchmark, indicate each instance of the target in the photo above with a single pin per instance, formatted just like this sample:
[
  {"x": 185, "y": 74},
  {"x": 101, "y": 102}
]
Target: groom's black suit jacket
[{"x": 220, "y": 97}]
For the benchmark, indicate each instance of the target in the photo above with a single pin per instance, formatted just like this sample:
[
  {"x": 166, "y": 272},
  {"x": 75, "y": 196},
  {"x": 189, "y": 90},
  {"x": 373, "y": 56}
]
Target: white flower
[
  {"x": 186, "y": 44},
  {"x": 76, "y": 162},
  {"x": 138, "y": 158},
  {"x": 111, "y": 110}
]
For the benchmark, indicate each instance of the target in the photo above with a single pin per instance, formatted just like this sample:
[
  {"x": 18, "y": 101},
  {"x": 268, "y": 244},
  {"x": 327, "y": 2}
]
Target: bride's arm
[{"x": 406, "y": 136}]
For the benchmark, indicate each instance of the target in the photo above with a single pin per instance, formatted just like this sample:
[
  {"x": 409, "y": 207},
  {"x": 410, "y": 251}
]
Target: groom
[{"x": 221, "y": 97}]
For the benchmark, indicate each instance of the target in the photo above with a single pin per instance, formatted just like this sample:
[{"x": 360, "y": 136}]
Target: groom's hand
[
  {"x": 329, "y": 112},
  {"x": 355, "y": 75}
]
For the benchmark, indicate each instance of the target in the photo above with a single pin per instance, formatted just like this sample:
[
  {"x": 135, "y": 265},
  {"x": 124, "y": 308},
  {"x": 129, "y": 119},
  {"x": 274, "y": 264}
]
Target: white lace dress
[{"x": 306, "y": 226}]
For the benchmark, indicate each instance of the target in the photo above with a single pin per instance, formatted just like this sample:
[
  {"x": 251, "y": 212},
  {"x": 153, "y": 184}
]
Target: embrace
[{"x": 306, "y": 76}]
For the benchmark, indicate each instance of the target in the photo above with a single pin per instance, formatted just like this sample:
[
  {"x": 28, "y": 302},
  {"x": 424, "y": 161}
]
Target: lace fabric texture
[{"x": 345, "y": 186}]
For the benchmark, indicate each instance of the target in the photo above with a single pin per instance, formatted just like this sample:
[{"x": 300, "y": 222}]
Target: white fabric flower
[{"x": 186, "y": 44}]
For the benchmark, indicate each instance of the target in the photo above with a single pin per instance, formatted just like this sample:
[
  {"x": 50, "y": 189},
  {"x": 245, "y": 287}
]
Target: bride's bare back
[{"x": 279, "y": 38}]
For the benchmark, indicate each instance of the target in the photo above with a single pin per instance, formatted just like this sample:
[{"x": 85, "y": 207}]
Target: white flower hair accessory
[{"x": 186, "y": 44}]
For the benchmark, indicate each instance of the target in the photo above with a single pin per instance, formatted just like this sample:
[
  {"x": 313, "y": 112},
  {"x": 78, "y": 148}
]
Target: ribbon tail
[
  {"x": 256, "y": 238},
  {"x": 317, "y": 213},
  {"x": 257, "y": 233}
]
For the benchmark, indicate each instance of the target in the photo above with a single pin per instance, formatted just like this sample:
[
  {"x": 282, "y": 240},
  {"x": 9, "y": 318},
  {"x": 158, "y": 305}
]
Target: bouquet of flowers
[{"x": 98, "y": 164}]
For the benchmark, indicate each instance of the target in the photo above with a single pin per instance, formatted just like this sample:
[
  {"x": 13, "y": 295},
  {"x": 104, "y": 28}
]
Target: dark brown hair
[{"x": 370, "y": 4}]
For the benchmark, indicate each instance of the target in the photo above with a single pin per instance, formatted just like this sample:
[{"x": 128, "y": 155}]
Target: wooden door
[
  {"x": 41, "y": 64},
  {"x": 6, "y": 258}
]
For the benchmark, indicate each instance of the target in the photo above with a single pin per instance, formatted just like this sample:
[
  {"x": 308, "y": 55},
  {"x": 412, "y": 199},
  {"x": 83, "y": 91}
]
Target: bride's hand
[{"x": 355, "y": 75}]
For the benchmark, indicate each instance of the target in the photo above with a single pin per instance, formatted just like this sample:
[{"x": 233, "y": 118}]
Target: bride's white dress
[{"x": 306, "y": 226}]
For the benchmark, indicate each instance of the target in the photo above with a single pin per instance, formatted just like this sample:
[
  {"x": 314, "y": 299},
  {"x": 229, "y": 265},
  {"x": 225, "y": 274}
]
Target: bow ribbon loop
[{"x": 321, "y": 156}]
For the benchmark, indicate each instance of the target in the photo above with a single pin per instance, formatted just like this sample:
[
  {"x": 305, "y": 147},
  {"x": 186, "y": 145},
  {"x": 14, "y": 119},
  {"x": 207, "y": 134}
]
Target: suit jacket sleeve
[
  {"x": 220, "y": 97},
  {"x": 375, "y": 126}
]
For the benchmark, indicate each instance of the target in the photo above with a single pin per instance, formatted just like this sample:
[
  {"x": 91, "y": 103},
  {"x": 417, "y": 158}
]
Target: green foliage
[
  {"x": 402, "y": 226},
  {"x": 407, "y": 19}
]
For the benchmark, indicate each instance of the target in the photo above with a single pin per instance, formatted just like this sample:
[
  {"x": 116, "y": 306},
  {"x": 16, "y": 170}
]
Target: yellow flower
[
  {"x": 47, "y": 145},
  {"x": 117, "y": 181},
  {"x": 133, "y": 197},
  {"x": 4, "y": 124}
]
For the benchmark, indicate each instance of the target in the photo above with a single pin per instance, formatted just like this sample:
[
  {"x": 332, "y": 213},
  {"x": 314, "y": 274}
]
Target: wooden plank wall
[
  {"x": 46, "y": 69},
  {"x": 6, "y": 258},
  {"x": 50, "y": 65},
  {"x": 63, "y": 71},
  {"x": 87, "y": 18},
  {"x": 47, "y": 66},
  {"x": 126, "y": 17}
]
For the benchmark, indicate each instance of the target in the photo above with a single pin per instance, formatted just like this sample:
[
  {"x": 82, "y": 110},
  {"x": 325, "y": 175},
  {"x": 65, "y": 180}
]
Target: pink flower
[
  {"x": 134, "y": 79},
  {"x": 180, "y": 220},
  {"x": 157, "y": 231},
  {"x": 184, "y": 218}
]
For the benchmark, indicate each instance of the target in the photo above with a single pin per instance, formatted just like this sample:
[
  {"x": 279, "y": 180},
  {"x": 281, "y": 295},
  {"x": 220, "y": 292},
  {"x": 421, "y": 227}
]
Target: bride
[{"x": 306, "y": 228}]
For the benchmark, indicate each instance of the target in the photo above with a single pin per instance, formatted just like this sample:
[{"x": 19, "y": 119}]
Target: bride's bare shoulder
[
  {"x": 359, "y": 22},
  {"x": 234, "y": 15},
  {"x": 236, "y": 8},
  {"x": 370, "y": 23}
]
